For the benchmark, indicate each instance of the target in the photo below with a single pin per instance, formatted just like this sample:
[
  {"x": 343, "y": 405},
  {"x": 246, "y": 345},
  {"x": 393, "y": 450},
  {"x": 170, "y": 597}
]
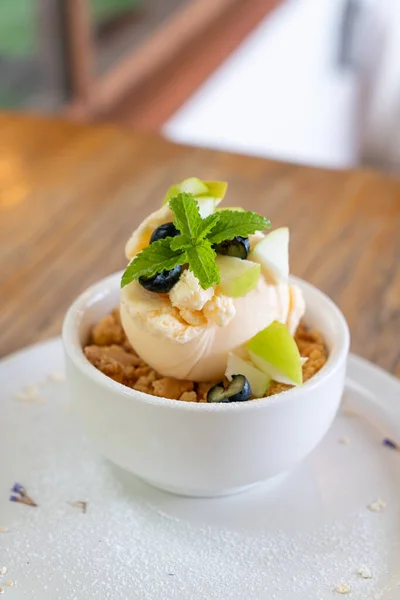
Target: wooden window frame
[
  {"x": 93, "y": 95},
  {"x": 194, "y": 28}
]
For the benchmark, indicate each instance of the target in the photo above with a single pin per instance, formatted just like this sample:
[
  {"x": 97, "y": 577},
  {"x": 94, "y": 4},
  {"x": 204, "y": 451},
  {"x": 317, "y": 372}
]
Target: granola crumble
[{"x": 110, "y": 352}]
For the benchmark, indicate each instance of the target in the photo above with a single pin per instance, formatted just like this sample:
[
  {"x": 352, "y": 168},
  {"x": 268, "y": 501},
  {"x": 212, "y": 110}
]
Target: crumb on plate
[
  {"x": 343, "y": 588},
  {"x": 28, "y": 396},
  {"x": 378, "y": 505},
  {"x": 364, "y": 572},
  {"x": 57, "y": 377},
  {"x": 344, "y": 440},
  {"x": 349, "y": 412}
]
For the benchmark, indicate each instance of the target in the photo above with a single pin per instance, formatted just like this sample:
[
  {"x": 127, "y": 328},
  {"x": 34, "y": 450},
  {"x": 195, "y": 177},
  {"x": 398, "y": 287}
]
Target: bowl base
[{"x": 216, "y": 493}]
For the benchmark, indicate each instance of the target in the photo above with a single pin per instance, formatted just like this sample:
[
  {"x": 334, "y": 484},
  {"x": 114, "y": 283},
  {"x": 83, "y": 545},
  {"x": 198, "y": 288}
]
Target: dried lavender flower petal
[
  {"x": 23, "y": 500},
  {"x": 24, "y": 497},
  {"x": 390, "y": 444},
  {"x": 18, "y": 489}
]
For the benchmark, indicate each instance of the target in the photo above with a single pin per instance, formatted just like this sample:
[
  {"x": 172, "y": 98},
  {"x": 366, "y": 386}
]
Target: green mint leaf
[
  {"x": 208, "y": 223},
  {"x": 187, "y": 218},
  {"x": 154, "y": 259},
  {"x": 232, "y": 223},
  {"x": 194, "y": 244},
  {"x": 181, "y": 242},
  {"x": 202, "y": 263}
]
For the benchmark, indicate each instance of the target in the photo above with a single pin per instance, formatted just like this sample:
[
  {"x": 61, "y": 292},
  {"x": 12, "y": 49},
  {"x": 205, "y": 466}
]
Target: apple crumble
[{"x": 110, "y": 351}]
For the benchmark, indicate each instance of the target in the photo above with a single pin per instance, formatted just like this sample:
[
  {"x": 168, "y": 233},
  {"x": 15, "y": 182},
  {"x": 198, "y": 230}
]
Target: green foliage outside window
[{"x": 18, "y": 22}]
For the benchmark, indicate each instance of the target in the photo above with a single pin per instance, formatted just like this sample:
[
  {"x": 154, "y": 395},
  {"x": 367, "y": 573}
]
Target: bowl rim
[{"x": 74, "y": 350}]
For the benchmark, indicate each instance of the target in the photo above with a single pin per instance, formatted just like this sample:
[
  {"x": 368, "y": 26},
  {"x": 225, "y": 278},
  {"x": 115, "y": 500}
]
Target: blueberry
[
  {"x": 238, "y": 247},
  {"x": 238, "y": 390},
  {"x": 164, "y": 231},
  {"x": 163, "y": 282}
]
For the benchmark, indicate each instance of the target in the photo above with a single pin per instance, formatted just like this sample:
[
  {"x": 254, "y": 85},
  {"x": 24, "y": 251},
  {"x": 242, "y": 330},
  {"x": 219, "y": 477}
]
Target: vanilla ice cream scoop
[
  {"x": 188, "y": 333},
  {"x": 175, "y": 348}
]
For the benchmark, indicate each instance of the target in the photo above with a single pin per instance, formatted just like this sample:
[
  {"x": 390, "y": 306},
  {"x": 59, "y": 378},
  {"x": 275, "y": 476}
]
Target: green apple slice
[
  {"x": 258, "y": 380},
  {"x": 194, "y": 186},
  {"x": 207, "y": 205},
  {"x": 238, "y": 277},
  {"x": 272, "y": 252},
  {"x": 200, "y": 190},
  {"x": 274, "y": 351},
  {"x": 217, "y": 189},
  {"x": 173, "y": 191},
  {"x": 235, "y": 208}
]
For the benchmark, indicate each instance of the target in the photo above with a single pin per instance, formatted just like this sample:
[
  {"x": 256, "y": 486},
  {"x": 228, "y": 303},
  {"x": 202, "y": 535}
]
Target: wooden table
[{"x": 70, "y": 195}]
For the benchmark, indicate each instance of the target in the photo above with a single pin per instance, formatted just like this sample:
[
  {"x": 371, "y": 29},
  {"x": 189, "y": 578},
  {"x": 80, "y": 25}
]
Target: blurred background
[{"x": 308, "y": 81}]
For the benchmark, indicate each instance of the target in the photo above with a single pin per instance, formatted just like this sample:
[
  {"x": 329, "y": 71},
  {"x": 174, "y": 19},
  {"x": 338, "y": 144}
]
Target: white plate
[{"x": 295, "y": 541}]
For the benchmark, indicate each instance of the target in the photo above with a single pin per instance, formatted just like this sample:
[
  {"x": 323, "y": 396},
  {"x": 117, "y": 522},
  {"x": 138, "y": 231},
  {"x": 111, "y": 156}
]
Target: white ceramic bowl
[{"x": 199, "y": 449}]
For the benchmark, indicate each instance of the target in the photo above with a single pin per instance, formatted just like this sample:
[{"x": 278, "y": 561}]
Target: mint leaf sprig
[
  {"x": 194, "y": 245},
  {"x": 154, "y": 259}
]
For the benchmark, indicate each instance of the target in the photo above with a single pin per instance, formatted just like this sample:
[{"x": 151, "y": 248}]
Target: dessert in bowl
[{"x": 198, "y": 387}]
